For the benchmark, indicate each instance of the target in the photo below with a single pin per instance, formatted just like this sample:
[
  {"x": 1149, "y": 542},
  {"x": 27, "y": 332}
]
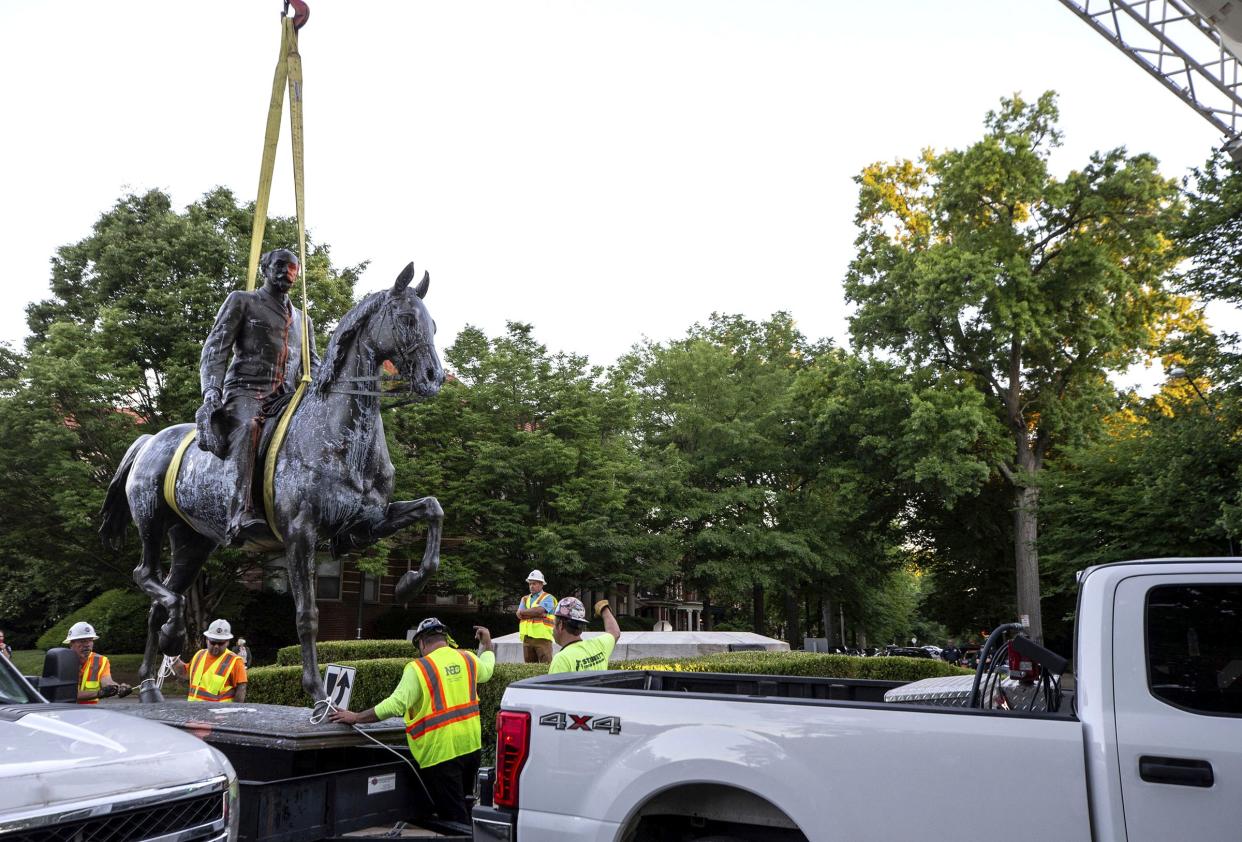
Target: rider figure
[{"x": 262, "y": 332}]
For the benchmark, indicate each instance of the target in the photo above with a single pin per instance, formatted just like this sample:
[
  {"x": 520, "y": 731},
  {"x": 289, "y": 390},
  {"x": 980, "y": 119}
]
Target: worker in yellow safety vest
[
  {"x": 535, "y": 612},
  {"x": 215, "y": 673},
  {"x": 577, "y": 654},
  {"x": 94, "y": 673},
  {"x": 438, "y": 697}
]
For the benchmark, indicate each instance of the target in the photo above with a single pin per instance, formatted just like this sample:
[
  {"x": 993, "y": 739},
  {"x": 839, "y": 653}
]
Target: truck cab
[{"x": 70, "y": 771}]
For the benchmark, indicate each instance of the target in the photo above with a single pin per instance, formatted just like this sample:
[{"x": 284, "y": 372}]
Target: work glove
[
  {"x": 124, "y": 690},
  {"x": 600, "y": 606},
  {"x": 208, "y": 438},
  {"x": 109, "y": 691}
]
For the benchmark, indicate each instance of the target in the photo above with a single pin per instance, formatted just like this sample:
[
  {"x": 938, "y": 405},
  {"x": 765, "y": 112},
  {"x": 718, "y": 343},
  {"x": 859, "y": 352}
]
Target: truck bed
[{"x": 759, "y": 688}]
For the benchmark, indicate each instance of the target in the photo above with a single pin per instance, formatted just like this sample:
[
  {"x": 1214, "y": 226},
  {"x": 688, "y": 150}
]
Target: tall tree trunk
[
  {"x": 1026, "y": 554},
  {"x": 793, "y": 624},
  {"x": 707, "y": 610},
  {"x": 758, "y": 620},
  {"x": 825, "y": 611}
]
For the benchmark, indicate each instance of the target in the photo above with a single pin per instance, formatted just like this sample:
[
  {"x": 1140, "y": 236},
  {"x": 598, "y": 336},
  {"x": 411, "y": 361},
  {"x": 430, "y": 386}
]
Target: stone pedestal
[{"x": 635, "y": 645}]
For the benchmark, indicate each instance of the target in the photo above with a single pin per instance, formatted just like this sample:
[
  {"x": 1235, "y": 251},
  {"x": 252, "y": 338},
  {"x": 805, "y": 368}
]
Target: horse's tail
[{"x": 115, "y": 511}]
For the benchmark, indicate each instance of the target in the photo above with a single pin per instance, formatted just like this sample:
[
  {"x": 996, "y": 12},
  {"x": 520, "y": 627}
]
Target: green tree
[
  {"x": 982, "y": 262},
  {"x": 530, "y": 454},
  {"x": 889, "y": 452}
]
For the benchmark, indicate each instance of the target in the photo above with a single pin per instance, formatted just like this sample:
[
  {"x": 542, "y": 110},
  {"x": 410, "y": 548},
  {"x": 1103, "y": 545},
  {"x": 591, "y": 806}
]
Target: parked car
[{"x": 1146, "y": 749}]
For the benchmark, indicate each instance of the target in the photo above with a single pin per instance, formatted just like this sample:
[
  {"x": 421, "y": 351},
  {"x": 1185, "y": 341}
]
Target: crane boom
[{"x": 1177, "y": 43}]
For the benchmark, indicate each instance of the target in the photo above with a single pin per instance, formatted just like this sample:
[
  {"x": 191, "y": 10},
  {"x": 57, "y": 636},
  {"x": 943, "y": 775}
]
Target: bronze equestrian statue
[{"x": 333, "y": 477}]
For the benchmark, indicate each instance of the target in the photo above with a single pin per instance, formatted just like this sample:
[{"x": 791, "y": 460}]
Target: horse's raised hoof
[
  {"x": 410, "y": 584},
  {"x": 172, "y": 639}
]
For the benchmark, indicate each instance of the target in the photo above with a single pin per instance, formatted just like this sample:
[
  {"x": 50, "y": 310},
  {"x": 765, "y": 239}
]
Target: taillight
[
  {"x": 512, "y": 746},
  {"x": 1021, "y": 667}
]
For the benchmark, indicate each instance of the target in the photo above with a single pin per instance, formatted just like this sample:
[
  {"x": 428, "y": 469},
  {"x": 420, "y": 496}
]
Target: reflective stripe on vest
[
  {"x": 446, "y": 723},
  {"x": 89, "y": 676},
  {"x": 213, "y": 686},
  {"x": 540, "y": 628}
]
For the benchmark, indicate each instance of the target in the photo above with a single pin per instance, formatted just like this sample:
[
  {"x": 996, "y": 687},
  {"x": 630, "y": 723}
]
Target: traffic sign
[{"x": 339, "y": 683}]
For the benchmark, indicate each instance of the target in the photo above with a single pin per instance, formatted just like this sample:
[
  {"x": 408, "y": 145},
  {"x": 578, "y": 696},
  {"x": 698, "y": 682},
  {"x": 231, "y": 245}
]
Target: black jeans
[{"x": 449, "y": 783}]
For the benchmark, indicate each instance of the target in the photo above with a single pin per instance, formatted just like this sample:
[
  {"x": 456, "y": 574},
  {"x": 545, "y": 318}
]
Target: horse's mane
[{"x": 343, "y": 338}]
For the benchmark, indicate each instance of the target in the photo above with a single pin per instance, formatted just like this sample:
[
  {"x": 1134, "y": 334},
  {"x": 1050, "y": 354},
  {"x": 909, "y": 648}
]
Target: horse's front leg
[
  {"x": 300, "y": 562},
  {"x": 402, "y": 514}
]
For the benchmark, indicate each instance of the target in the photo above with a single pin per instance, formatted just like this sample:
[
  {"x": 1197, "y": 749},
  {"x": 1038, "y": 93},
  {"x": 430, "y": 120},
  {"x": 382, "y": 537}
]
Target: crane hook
[{"x": 301, "y": 12}]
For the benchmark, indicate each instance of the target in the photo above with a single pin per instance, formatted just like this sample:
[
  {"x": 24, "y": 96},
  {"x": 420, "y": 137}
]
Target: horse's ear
[
  {"x": 403, "y": 280},
  {"x": 421, "y": 289}
]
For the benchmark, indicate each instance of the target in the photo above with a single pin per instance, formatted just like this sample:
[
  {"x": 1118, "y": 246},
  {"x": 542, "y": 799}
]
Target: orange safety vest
[
  {"x": 540, "y": 628},
  {"x": 445, "y": 724},
  {"x": 90, "y": 676},
  {"x": 211, "y": 685}
]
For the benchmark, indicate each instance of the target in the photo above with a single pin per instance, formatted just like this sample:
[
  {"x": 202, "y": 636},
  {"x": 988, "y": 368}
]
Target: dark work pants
[{"x": 449, "y": 783}]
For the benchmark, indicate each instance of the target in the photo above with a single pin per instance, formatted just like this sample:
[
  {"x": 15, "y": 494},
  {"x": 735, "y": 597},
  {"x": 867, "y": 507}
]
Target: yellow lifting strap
[
  {"x": 288, "y": 70},
  {"x": 170, "y": 475}
]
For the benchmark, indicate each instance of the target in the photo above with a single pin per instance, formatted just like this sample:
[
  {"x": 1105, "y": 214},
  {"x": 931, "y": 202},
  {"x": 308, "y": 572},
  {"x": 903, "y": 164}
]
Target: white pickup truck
[
  {"x": 1147, "y": 747},
  {"x": 83, "y": 773}
]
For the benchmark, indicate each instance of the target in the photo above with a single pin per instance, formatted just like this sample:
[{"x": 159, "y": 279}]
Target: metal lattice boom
[{"x": 1175, "y": 44}]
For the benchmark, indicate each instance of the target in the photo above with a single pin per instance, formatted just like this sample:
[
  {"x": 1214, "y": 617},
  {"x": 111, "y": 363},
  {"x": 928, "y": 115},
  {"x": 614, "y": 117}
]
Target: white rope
[
  {"x": 324, "y": 707},
  {"x": 166, "y": 670}
]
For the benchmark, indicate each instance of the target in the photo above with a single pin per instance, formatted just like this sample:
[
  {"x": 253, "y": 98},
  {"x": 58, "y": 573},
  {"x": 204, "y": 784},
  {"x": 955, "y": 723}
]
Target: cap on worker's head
[
  {"x": 219, "y": 630},
  {"x": 536, "y": 576},
  {"x": 81, "y": 631},
  {"x": 431, "y": 625},
  {"x": 571, "y": 609}
]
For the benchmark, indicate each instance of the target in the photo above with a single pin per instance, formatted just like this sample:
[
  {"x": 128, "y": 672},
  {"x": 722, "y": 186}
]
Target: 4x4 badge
[{"x": 574, "y": 722}]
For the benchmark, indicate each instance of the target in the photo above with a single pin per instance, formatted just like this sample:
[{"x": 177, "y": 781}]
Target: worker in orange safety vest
[
  {"x": 95, "y": 672},
  {"x": 215, "y": 673}
]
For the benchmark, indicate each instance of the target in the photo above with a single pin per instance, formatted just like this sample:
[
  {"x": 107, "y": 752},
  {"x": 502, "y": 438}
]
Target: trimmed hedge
[
  {"x": 807, "y": 664},
  {"x": 336, "y": 651},
  {"x": 377, "y": 677},
  {"x": 119, "y": 617}
]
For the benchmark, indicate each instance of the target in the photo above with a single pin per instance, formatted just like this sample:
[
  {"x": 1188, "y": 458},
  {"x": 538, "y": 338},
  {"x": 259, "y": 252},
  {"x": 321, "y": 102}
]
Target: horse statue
[{"x": 332, "y": 482}]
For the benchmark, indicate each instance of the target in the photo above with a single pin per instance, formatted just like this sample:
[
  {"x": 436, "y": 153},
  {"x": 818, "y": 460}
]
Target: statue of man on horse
[
  {"x": 328, "y": 484},
  {"x": 262, "y": 332}
]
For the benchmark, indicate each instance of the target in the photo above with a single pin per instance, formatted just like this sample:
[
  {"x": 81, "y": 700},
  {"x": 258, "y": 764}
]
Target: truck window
[
  {"x": 1194, "y": 648},
  {"x": 12, "y": 689}
]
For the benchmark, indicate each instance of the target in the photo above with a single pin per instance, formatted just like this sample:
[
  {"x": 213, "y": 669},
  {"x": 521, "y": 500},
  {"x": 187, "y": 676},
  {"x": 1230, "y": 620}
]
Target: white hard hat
[
  {"x": 219, "y": 630},
  {"x": 81, "y": 631},
  {"x": 536, "y": 576}
]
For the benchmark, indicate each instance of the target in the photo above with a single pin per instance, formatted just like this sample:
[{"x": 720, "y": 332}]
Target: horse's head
[{"x": 406, "y": 335}]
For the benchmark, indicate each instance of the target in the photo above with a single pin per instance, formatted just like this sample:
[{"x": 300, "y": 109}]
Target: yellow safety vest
[
  {"x": 209, "y": 685},
  {"x": 90, "y": 676},
  {"x": 541, "y": 627},
  {"x": 446, "y": 722}
]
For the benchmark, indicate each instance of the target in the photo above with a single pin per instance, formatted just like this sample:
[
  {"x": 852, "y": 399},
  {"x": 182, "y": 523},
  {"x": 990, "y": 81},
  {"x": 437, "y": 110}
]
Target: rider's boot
[{"x": 248, "y": 526}]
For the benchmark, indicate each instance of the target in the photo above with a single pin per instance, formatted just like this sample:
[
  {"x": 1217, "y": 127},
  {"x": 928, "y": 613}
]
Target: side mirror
[{"x": 60, "y": 676}]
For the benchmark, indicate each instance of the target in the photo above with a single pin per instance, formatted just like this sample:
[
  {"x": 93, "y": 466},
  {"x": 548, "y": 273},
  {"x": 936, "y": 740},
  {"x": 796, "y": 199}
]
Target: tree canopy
[{"x": 982, "y": 262}]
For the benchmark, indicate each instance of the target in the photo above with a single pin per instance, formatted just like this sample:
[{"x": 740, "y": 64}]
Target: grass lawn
[{"x": 28, "y": 661}]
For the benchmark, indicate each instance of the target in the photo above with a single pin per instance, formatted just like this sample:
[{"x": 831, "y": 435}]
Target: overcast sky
[{"x": 605, "y": 170}]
